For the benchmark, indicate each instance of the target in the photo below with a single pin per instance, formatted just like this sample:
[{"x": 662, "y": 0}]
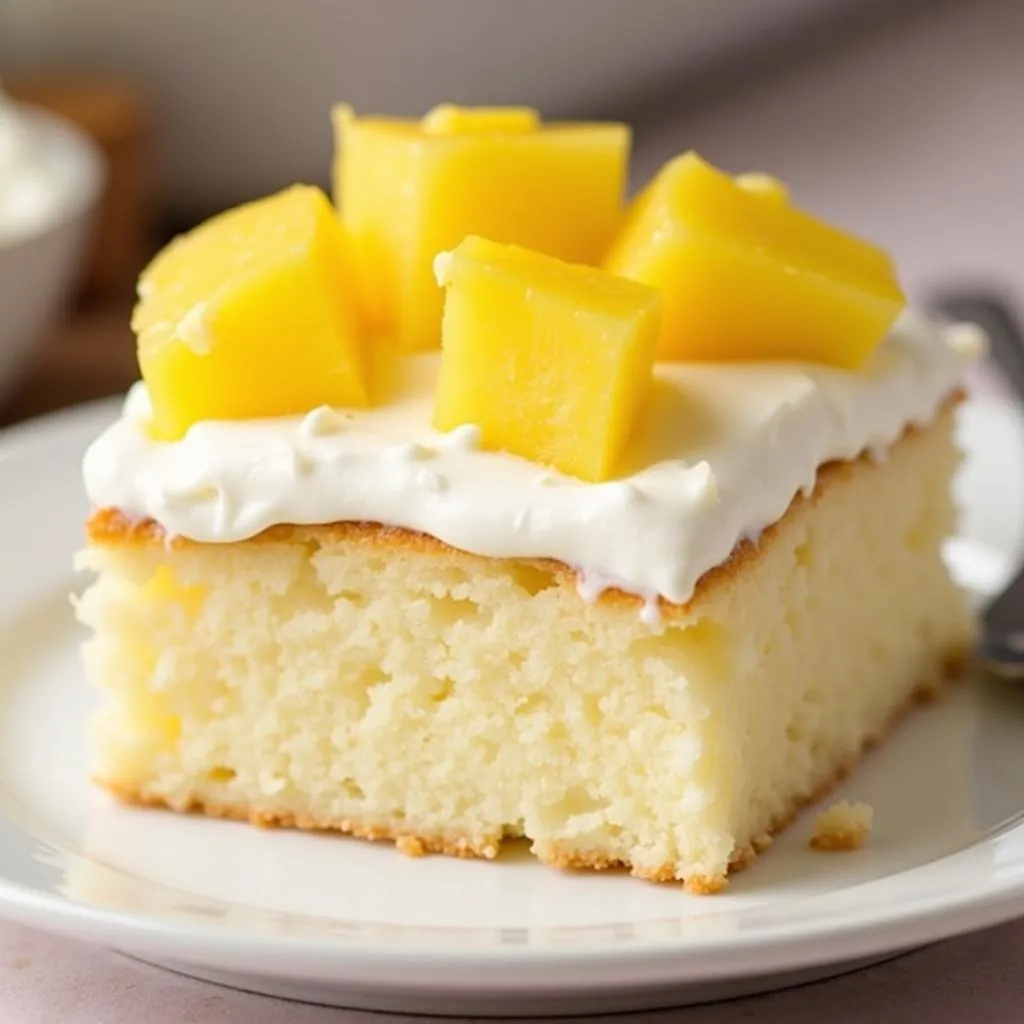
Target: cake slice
[
  {"x": 642, "y": 642},
  {"x": 381, "y": 682}
]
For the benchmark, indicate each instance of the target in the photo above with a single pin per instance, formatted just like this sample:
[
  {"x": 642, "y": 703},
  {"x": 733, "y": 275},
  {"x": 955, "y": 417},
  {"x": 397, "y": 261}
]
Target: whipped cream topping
[{"x": 722, "y": 452}]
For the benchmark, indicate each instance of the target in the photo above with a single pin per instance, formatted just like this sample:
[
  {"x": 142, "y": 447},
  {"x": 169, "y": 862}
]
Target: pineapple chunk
[
  {"x": 408, "y": 190},
  {"x": 551, "y": 361},
  {"x": 250, "y": 315},
  {"x": 746, "y": 278}
]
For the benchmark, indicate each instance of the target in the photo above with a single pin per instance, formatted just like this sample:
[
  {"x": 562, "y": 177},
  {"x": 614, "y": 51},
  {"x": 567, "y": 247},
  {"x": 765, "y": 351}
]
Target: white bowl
[{"x": 38, "y": 270}]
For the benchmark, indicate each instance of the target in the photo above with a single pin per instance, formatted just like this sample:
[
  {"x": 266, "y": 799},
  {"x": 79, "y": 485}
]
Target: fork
[{"x": 1000, "y": 649}]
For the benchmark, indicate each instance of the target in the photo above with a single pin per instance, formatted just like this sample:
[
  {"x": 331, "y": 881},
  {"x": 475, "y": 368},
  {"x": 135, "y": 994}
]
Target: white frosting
[
  {"x": 722, "y": 452},
  {"x": 30, "y": 192}
]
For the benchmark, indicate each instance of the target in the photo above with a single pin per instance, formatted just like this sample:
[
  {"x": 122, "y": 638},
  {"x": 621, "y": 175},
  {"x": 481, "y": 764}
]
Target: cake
[{"x": 646, "y": 641}]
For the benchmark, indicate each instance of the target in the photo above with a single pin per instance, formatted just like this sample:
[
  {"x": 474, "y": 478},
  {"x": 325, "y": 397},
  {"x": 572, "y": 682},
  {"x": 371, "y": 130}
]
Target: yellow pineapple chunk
[
  {"x": 746, "y": 278},
  {"x": 408, "y": 190},
  {"x": 251, "y": 314},
  {"x": 550, "y": 360}
]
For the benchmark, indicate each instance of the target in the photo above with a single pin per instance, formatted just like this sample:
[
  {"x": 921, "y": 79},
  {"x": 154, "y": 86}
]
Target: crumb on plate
[{"x": 843, "y": 827}]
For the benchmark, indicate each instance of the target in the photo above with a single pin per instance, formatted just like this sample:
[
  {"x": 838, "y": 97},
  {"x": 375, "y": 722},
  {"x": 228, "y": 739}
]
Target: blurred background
[{"x": 899, "y": 119}]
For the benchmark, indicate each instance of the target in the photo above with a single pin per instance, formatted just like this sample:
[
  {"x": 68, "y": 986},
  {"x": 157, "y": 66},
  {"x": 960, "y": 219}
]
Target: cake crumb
[
  {"x": 705, "y": 885},
  {"x": 843, "y": 827},
  {"x": 411, "y": 846}
]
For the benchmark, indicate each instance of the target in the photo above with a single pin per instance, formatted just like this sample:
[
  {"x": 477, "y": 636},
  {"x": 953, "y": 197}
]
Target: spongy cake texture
[{"x": 380, "y": 683}]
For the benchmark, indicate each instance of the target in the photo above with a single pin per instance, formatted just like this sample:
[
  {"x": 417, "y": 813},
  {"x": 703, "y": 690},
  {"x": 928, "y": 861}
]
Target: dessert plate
[{"x": 351, "y": 923}]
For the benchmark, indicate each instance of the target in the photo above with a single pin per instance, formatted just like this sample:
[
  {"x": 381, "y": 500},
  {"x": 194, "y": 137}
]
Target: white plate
[{"x": 356, "y": 924}]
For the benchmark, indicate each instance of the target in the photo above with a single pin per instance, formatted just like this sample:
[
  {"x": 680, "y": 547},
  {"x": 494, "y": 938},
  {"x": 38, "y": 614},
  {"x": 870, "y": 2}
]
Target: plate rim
[{"x": 605, "y": 964}]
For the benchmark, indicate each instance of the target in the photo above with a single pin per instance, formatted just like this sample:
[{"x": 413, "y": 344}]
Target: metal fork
[{"x": 1001, "y": 646}]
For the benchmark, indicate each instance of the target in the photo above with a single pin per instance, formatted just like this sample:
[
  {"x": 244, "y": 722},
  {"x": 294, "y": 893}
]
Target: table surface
[
  {"x": 90, "y": 355},
  {"x": 976, "y": 979}
]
